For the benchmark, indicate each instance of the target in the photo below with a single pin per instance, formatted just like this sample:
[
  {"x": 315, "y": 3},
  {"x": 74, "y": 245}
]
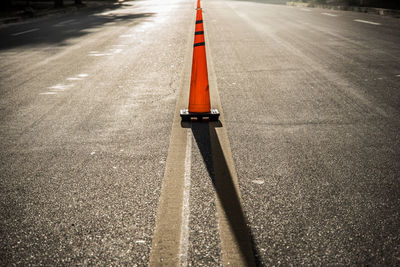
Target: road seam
[
  {"x": 170, "y": 239},
  {"x": 167, "y": 236},
  {"x": 184, "y": 242}
]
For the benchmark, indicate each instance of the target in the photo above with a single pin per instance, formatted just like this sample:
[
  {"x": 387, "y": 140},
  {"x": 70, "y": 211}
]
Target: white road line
[
  {"x": 48, "y": 93},
  {"x": 61, "y": 87},
  {"x": 126, "y": 35},
  {"x": 62, "y": 23},
  {"x": 83, "y": 75},
  {"x": 31, "y": 30},
  {"x": 367, "y": 22},
  {"x": 67, "y": 21},
  {"x": 184, "y": 241},
  {"x": 116, "y": 51},
  {"x": 100, "y": 55},
  {"x": 74, "y": 79},
  {"x": 329, "y": 14},
  {"x": 306, "y": 9}
]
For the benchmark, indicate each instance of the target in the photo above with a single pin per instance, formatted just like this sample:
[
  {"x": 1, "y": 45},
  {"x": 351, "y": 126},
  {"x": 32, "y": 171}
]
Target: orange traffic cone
[{"x": 199, "y": 98}]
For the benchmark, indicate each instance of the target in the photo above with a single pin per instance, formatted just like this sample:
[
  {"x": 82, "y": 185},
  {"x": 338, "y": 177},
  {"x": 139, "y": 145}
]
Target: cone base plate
[{"x": 213, "y": 115}]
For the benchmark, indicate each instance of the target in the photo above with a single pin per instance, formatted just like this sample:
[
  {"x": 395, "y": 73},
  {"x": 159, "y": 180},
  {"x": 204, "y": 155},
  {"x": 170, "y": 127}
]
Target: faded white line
[
  {"x": 367, "y": 22},
  {"x": 329, "y": 14},
  {"x": 83, "y": 75},
  {"x": 48, "y": 93},
  {"x": 31, "y": 30},
  {"x": 126, "y": 35},
  {"x": 74, "y": 79},
  {"x": 100, "y": 55},
  {"x": 184, "y": 241},
  {"x": 116, "y": 51},
  {"x": 306, "y": 9},
  {"x": 62, "y": 23},
  {"x": 61, "y": 87}
]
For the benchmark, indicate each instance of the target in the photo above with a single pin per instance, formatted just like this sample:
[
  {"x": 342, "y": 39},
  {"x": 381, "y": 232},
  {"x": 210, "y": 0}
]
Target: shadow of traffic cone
[{"x": 199, "y": 98}]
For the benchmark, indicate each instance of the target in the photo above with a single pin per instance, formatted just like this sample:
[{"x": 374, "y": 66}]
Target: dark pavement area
[
  {"x": 311, "y": 105},
  {"x": 85, "y": 122}
]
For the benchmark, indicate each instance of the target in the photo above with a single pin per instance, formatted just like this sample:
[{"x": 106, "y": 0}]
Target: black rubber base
[{"x": 213, "y": 115}]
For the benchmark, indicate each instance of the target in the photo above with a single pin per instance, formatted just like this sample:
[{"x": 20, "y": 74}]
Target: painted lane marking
[
  {"x": 48, "y": 93},
  {"x": 184, "y": 241},
  {"x": 329, "y": 14},
  {"x": 367, "y": 22},
  {"x": 31, "y": 30},
  {"x": 78, "y": 77},
  {"x": 60, "y": 87},
  {"x": 57, "y": 88},
  {"x": 165, "y": 245},
  {"x": 116, "y": 51},
  {"x": 126, "y": 35},
  {"x": 100, "y": 54},
  {"x": 110, "y": 52},
  {"x": 62, "y": 23}
]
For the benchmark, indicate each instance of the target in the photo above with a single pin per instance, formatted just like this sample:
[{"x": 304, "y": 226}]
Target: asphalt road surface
[{"x": 302, "y": 169}]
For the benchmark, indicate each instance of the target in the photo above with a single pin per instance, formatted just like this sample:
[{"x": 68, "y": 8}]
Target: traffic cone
[{"x": 199, "y": 98}]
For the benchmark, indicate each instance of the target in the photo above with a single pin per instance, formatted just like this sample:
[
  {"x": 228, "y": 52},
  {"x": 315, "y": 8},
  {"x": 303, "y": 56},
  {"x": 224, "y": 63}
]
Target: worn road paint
[
  {"x": 48, "y": 93},
  {"x": 62, "y": 23},
  {"x": 19, "y": 33},
  {"x": 168, "y": 238},
  {"x": 184, "y": 242},
  {"x": 166, "y": 248},
  {"x": 367, "y": 22},
  {"x": 329, "y": 14},
  {"x": 61, "y": 87}
]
